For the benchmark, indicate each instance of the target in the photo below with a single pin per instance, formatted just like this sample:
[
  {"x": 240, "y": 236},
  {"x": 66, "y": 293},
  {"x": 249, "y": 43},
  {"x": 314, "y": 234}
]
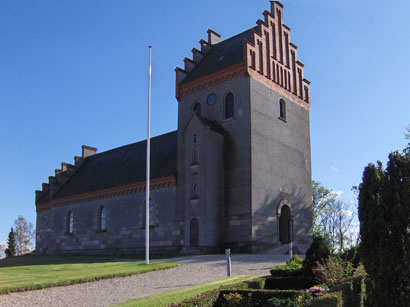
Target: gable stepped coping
[
  {"x": 63, "y": 174},
  {"x": 265, "y": 53},
  {"x": 213, "y": 39}
]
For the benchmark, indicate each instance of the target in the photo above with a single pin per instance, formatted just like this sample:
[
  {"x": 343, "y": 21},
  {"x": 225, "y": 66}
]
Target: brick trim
[{"x": 133, "y": 188}]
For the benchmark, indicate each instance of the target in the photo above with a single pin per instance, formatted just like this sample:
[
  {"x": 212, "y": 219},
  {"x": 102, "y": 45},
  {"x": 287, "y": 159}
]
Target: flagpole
[{"x": 147, "y": 200}]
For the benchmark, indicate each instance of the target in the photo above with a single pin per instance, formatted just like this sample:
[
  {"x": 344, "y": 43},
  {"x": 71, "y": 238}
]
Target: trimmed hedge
[
  {"x": 329, "y": 300},
  {"x": 286, "y": 270},
  {"x": 258, "y": 297},
  {"x": 209, "y": 298},
  {"x": 349, "y": 293},
  {"x": 287, "y": 283}
]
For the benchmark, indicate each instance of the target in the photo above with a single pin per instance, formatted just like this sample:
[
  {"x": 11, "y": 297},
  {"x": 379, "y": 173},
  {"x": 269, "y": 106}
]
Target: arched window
[
  {"x": 69, "y": 222},
  {"x": 195, "y": 191},
  {"x": 197, "y": 108},
  {"x": 282, "y": 107},
  {"x": 229, "y": 106},
  {"x": 102, "y": 226},
  {"x": 195, "y": 157}
]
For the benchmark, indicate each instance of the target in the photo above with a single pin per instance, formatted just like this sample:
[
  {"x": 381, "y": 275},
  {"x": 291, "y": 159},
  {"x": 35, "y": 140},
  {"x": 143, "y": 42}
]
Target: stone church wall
[
  {"x": 125, "y": 226},
  {"x": 281, "y": 166}
]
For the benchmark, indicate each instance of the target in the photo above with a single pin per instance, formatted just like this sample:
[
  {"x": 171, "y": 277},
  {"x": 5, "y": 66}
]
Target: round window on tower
[{"x": 211, "y": 99}]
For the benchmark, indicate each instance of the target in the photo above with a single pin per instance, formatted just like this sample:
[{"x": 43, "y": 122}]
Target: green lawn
[
  {"x": 35, "y": 272},
  {"x": 181, "y": 294}
]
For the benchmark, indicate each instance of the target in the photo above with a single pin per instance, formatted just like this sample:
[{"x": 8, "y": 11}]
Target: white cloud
[
  {"x": 334, "y": 169},
  {"x": 337, "y": 194}
]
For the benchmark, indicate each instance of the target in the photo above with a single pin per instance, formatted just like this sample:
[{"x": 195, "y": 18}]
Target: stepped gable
[
  {"x": 265, "y": 53},
  {"x": 121, "y": 166}
]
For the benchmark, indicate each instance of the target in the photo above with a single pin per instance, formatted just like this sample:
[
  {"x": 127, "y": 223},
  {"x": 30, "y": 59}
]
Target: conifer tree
[
  {"x": 11, "y": 244},
  {"x": 384, "y": 215}
]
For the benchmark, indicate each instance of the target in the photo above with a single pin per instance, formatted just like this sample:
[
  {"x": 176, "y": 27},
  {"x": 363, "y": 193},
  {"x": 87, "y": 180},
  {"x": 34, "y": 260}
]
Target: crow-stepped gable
[{"x": 235, "y": 174}]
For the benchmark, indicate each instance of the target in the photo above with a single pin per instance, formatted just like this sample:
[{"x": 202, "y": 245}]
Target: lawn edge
[
  {"x": 82, "y": 281},
  {"x": 135, "y": 300}
]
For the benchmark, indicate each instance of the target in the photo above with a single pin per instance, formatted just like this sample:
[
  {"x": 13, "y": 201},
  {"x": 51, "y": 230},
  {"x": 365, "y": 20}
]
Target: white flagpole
[{"x": 147, "y": 200}]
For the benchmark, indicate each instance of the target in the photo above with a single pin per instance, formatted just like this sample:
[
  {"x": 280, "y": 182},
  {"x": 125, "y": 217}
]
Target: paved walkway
[{"x": 196, "y": 270}]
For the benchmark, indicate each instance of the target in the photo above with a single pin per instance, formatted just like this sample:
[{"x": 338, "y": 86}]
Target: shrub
[
  {"x": 296, "y": 259},
  {"x": 258, "y": 297},
  {"x": 286, "y": 283},
  {"x": 353, "y": 255},
  {"x": 319, "y": 250},
  {"x": 290, "y": 269},
  {"x": 333, "y": 271},
  {"x": 277, "y": 302},
  {"x": 235, "y": 299}
]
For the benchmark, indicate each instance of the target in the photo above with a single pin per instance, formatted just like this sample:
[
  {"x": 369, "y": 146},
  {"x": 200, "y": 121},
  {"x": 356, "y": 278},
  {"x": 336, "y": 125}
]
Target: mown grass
[
  {"x": 36, "y": 272},
  {"x": 178, "y": 295}
]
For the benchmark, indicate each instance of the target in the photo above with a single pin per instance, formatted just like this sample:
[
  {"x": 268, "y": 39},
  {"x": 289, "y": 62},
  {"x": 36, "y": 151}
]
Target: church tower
[{"x": 244, "y": 166}]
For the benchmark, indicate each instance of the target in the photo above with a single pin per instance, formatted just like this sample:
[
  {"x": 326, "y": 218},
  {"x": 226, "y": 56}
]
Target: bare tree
[
  {"x": 332, "y": 217},
  {"x": 407, "y": 133},
  {"x": 24, "y": 236},
  {"x": 2, "y": 249}
]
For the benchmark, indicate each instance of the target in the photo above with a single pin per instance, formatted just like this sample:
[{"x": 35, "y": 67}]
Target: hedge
[
  {"x": 258, "y": 297},
  {"x": 287, "y": 283},
  {"x": 290, "y": 269}
]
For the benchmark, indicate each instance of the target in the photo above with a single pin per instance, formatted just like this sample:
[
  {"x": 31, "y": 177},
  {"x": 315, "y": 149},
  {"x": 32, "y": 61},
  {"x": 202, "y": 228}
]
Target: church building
[{"x": 235, "y": 174}]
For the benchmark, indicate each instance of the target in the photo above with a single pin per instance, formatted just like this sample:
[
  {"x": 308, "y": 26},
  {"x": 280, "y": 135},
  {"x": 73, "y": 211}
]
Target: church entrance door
[
  {"x": 194, "y": 233},
  {"x": 285, "y": 225}
]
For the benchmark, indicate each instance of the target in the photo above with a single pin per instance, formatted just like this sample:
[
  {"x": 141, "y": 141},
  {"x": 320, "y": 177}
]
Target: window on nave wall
[
  {"x": 102, "y": 219},
  {"x": 69, "y": 226}
]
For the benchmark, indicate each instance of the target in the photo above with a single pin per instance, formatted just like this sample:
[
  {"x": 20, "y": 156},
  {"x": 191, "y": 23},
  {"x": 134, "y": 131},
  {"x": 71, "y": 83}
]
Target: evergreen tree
[
  {"x": 11, "y": 245},
  {"x": 384, "y": 215}
]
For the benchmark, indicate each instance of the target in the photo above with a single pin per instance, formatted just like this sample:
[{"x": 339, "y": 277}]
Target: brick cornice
[
  {"x": 133, "y": 188},
  {"x": 212, "y": 79},
  {"x": 280, "y": 90}
]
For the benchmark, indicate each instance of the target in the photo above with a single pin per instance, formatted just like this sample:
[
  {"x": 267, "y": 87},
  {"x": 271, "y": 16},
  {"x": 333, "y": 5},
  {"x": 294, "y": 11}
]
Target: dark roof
[
  {"x": 123, "y": 165},
  {"x": 224, "y": 54}
]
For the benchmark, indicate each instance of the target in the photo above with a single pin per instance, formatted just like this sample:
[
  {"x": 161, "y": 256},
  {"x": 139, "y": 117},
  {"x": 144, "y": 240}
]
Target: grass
[
  {"x": 36, "y": 272},
  {"x": 181, "y": 294}
]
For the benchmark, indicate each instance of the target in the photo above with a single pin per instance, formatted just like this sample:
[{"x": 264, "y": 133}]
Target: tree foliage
[
  {"x": 319, "y": 250},
  {"x": 332, "y": 218},
  {"x": 24, "y": 236},
  {"x": 11, "y": 244},
  {"x": 384, "y": 215}
]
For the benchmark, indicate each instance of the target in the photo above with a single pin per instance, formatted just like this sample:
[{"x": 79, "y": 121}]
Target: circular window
[{"x": 211, "y": 99}]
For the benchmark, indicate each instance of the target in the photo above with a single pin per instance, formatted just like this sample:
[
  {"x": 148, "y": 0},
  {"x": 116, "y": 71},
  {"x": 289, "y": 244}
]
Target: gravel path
[{"x": 196, "y": 269}]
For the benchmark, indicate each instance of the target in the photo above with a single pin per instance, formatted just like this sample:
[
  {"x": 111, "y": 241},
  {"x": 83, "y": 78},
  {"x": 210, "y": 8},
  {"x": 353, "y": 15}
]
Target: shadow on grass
[{"x": 49, "y": 260}]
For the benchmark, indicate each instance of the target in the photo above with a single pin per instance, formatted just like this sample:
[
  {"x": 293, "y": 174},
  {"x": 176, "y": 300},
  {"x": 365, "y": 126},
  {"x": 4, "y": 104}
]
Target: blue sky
[{"x": 75, "y": 72}]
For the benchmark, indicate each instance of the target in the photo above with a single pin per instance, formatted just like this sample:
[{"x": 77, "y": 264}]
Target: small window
[
  {"x": 195, "y": 157},
  {"x": 282, "y": 106},
  {"x": 197, "y": 108},
  {"x": 102, "y": 226},
  {"x": 229, "y": 106},
  {"x": 194, "y": 192},
  {"x": 194, "y": 138},
  {"x": 70, "y": 222},
  {"x": 211, "y": 99}
]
